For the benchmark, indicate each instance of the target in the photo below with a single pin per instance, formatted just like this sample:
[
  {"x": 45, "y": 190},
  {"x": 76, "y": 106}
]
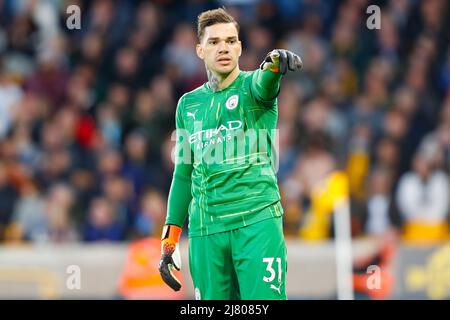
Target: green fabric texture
[{"x": 242, "y": 264}]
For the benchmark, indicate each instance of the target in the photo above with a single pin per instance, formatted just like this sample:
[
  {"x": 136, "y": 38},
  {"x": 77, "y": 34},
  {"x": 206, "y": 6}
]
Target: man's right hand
[{"x": 170, "y": 256}]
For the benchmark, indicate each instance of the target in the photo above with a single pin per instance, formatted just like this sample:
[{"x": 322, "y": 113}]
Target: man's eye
[
  {"x": 213, "y": 42},
  {"x": 231, "y": 41}
]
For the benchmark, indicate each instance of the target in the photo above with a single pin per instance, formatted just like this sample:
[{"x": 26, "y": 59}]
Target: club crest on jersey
[{"x": 232, "y": 102}]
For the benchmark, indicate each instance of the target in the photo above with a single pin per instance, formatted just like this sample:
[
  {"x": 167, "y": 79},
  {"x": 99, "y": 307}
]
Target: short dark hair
[{"x": 212, "y": 17}]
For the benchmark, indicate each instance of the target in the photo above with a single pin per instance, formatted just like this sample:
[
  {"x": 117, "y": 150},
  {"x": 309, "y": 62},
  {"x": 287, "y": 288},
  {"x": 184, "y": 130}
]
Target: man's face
[{"x": 220, "y": 48}]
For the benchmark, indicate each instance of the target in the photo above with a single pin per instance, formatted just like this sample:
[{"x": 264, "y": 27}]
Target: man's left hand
[{"x": 280, "y": 60}]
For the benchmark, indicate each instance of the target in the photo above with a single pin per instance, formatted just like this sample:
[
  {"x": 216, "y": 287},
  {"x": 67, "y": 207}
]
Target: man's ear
[
  {"x": 199, "y": 50},
  {"x": 240, "y": 48}
]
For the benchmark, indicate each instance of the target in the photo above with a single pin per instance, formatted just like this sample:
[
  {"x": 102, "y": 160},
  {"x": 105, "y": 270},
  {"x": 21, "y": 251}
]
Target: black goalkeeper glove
[
  {"x": 170, "y": 256},
  {"x": 280, "y": 60}
]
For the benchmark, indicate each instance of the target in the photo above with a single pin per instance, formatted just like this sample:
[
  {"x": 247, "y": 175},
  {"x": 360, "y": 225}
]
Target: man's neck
[{"x": 219, "y": 82}]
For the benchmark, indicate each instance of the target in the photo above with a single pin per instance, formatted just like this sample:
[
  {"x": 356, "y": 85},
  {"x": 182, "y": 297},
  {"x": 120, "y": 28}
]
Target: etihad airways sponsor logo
[
  {"x": 223, "y": 129},
  {"x": 227, "y": 145}
]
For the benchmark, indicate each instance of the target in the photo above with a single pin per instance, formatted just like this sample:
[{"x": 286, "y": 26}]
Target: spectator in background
[
  {"x": 380, "y": 216},
  {"x": 180, "y": 52},
  {"x": 109, "y": 125},
  {"x": 109, "y": 163},
  {"x": 102, "y": 224},
  {"x": 395, "y": 125},
  {"x": 119, "y": 96},
  {"x": 161, "y": 87},
  {"x": 312, "y": 171},
  {"x": 58, "y": 207},
  {"x": 293, "y": 204},
  {"x": 144, "y": 39},
  {"x": 358, "y": 161},
  {"x": 423, "y": 197},
  {"x": 91, "y": 50},
  {"x": 135, "y": 166},
  {"x": 376, "y": 81},
  {"x": 387, "y": 155},
  {"x": 445, "y": 73},
  {"x": 54, "y": 166},
  {"x": 29, "y": 214},
  {"x": 83, "y": 182},
  {"x": 10, "y": 96},
  {"x": 118, "y": 190},
  {"x": 437, "y": 142},
  {"x": 362, "y": 110},
  {"x": 150, "y": 118},
  {"x": 164, "y": 165},
  {"x": 51, "y": 78},
  {"x": 388, "y": 39},
  {"x": 315, "y": 164},
  {"x": 80, "y": 92},
  {"x": 27, "y": 151},
  {"x": 150, "y": 218},
  {"x": 357, "y": 169},
  {"x": 8, "y": 197},
  {"x": 126, "y": 67},
  {"x": 259, "y": 38}
]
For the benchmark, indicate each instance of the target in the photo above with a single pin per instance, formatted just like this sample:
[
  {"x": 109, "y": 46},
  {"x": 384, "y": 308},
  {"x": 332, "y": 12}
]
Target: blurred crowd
[{"x": 87, "y": 115}]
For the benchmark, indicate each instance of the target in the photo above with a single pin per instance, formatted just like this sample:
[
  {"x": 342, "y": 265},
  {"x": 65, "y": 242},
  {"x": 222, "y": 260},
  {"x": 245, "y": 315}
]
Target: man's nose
[{"x": 223, "y": 47}]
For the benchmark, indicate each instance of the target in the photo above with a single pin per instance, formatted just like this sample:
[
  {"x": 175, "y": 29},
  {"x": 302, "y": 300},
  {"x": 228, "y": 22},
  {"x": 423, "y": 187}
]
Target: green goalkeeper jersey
[{"x": 226, "y": 142}]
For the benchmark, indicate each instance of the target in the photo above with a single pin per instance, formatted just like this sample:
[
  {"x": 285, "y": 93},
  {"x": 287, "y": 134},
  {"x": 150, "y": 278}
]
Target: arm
[
  {"x": 180, "y": 197},
  {"x": 265, "y": 84}
]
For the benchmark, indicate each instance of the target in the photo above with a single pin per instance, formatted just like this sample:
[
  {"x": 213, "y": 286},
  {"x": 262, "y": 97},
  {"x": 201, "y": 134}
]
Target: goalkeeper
[{"x": 236, "y": 243}]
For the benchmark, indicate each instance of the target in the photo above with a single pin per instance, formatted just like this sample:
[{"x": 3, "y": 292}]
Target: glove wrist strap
[
  {"x": 171, "y": 232},
  {"x": 274, "y": 70}
]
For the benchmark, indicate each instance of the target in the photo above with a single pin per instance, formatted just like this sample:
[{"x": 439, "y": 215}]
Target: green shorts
[{"x": 248, "y": 263}]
